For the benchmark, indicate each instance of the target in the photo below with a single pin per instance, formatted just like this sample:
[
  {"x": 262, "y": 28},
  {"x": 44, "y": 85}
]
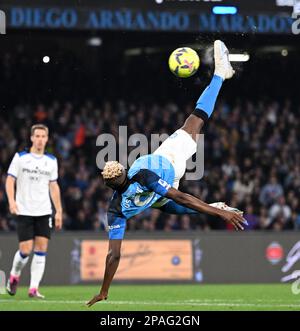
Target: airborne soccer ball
[{"x": 184, "y": 62}]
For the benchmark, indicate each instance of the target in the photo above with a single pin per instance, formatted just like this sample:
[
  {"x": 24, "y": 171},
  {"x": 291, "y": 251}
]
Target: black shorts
[{"x": 29, "y": 227}]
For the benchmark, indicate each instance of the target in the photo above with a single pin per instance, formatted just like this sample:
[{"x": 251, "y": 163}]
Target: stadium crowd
[
  {"x": 252, "y": 160},
  {"x": 252, "y": 155}
]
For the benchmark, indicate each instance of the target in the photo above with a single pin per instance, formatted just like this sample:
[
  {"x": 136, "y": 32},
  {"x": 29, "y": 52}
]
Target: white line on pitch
[{"x": 148, "y": 303}]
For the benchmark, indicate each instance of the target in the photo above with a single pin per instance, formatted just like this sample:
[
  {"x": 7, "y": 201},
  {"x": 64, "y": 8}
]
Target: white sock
[
  {"x": 37, "y": 269},
  {"x": 20, "y": 260}
]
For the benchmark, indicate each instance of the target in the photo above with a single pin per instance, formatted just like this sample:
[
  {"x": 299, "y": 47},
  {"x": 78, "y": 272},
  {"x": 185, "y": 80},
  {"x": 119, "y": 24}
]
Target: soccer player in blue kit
[{"x": 153, "y": 180}]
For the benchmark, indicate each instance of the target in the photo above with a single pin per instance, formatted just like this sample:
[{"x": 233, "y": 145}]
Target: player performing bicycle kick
[{"x": 153, "y": 180}]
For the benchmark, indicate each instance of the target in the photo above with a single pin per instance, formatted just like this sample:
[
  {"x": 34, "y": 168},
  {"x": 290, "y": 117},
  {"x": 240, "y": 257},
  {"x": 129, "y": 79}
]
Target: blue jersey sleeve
[
  {"x": 152, "y": 181},
  {"x": 116, "y": 226},
  {"x": 171, "y": 207}
]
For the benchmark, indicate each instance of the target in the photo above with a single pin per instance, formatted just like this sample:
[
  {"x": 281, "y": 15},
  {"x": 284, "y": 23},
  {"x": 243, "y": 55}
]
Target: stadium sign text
[{"x": 143, "y": 20}]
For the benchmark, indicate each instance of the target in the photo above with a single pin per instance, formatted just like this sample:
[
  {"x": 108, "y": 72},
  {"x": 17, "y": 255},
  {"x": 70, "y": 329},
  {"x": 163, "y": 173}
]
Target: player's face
[
  {"x": 39, "y": 139},
  {"x": 116, "y": 182}
]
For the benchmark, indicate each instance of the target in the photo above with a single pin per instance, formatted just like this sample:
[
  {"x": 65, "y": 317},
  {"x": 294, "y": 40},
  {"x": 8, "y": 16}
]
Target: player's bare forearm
[
  {"x": 192, "y": 202},
  {"x": 55, "y": 197},
  {"x": 10, "y": 188},
  {"x": 10, "y": 191},
  {"x": 112, "y": 262},
  {"x": 172, "y": 207}
]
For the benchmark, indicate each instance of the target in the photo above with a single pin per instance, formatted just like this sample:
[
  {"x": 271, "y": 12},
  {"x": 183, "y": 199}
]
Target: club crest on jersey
[{"x": 141, "y": 199}]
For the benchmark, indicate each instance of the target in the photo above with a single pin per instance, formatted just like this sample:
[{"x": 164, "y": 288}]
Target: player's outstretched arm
[
  {"x": 112, "y": 263},
  {"x": 171, "y": 207},
  {"x": 192, "y": 202}
]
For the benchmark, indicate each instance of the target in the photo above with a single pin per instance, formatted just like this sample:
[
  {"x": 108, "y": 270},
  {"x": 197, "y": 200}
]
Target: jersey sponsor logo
[
  {"x": 127, "y": 203},
  {"x": 112, "y": 227},
  {"x": 35, "y": 174},
  {"x": 36, "y": 171}
]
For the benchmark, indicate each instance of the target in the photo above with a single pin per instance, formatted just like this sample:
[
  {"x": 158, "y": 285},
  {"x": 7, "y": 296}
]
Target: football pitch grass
[{"x": 158, "y": 298}]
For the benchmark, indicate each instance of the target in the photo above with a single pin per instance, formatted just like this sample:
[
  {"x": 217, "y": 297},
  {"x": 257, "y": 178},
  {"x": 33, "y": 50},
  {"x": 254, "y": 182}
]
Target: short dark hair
[{"x": 38, "y": 127}]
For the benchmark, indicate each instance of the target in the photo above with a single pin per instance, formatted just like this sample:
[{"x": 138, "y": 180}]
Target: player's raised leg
[
  {"x": 206, "y": 103},
  {"x": 181, "y": 145},
  {"x": 20, "y": 260}
]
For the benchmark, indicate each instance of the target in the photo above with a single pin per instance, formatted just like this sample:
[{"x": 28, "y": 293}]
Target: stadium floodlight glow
[
  {"x": 94, "y": 41},
  {"x": 224, "y": 10},
  {"x": 46, "y": 59},
  {"x": 239, "y": 57}
]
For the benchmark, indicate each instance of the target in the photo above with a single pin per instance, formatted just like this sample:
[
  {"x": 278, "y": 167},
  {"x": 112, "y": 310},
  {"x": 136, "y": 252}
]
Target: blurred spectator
[
  {"x": 264, "y": 219},
  {"x": 242, "y": 187},
  {"x": 280, "y": 209},
  {"x": 252, "y": 153},
  {"x": 270, "y": 192}
]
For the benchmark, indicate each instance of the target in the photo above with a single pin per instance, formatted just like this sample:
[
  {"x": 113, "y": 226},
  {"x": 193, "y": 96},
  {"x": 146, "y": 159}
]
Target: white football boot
[{"x": 223, "y": 67}]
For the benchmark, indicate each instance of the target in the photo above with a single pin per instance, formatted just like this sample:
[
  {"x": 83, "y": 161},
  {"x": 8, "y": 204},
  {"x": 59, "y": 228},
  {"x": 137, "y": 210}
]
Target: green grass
[{"x": 159, "y": 297}]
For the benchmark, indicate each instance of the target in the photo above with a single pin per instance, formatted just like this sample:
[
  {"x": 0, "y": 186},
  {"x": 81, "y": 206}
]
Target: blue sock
[
  {"x": 206, "y": 103},
  {"x": 40, "y": 253}
]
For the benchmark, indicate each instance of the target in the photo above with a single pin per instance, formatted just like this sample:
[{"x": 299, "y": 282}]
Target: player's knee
[
  {"x": 25, "y": 252},
  {"x": 114, "y": 256},
  {"x": 40, "y": 248},
  {"x": 193, "y": 125},
  {"x": 41, "y": 245},
  {"x": 25, "y": 249}
]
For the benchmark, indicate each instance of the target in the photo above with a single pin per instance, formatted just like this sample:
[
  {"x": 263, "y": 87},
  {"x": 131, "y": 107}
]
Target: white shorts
[{"x": 178, "y": 148}]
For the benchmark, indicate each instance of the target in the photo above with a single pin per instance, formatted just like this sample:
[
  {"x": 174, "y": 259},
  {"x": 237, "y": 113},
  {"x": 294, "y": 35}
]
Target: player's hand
[
  {"x": 58, "y": 220},
  {"x": 236, "y": 219},
  {"x": 96, "y": 298},
  {"x": 13, "y": 208}
]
